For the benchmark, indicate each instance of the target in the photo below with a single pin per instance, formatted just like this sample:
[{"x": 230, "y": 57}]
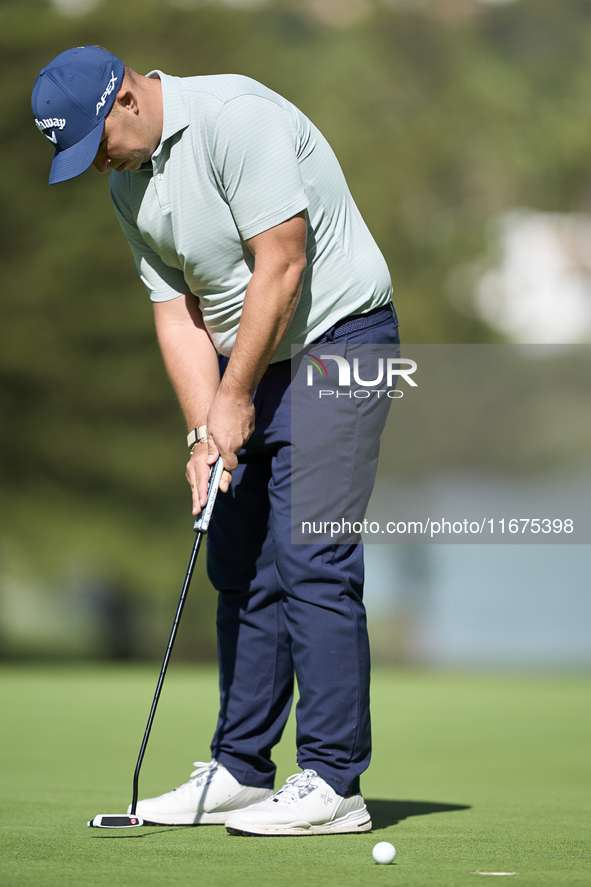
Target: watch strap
[{"x": 197, "y": 435}]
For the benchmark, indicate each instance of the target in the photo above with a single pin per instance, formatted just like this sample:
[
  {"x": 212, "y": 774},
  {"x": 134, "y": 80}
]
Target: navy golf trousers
[{"x": 286, "y": 609}]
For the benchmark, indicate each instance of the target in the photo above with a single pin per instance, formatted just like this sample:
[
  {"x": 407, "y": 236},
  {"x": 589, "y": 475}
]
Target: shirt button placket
[{"x": 160, "y": 191}]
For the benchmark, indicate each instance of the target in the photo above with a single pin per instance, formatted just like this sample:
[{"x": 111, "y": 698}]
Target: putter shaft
[{"x": 171, "y": 640}]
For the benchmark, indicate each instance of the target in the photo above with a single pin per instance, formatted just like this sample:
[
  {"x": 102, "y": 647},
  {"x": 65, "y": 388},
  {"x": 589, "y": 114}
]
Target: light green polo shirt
[{"x": 237, "y": 159}]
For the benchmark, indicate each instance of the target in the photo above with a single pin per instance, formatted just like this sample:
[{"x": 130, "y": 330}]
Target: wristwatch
[{"x": 197, "y": 435}]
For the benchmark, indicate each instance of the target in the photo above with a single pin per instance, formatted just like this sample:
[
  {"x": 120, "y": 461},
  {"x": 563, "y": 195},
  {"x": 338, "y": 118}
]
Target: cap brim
[{"x": 71, "y": 162}]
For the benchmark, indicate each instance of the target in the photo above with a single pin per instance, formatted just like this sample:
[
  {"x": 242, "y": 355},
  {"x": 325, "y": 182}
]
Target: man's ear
[{"x": 126, "y": 100}]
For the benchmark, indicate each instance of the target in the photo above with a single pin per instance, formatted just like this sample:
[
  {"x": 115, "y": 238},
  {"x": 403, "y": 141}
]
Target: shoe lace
[
  {"x": 297, "y": 787},
  {"x": 204, "y": 772}
]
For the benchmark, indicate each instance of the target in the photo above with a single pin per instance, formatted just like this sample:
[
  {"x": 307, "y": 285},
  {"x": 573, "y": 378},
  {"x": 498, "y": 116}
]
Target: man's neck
[{"x": 152, "y": 88}]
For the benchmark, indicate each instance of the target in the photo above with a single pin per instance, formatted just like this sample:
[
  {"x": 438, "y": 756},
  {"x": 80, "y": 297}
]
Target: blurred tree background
[{"x": 443, "y": 113}]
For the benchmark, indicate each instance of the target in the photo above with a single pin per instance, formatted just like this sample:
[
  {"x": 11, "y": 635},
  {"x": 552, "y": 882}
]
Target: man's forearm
[
  {"x": 269, "y": 304},
  {"x": 189, "y": 356},
  {"x": 192, "y": 365}
]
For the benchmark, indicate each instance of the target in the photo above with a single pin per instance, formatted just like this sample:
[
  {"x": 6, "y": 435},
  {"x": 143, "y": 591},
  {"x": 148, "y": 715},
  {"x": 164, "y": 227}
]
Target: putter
[{"x": 131, "y": 819}]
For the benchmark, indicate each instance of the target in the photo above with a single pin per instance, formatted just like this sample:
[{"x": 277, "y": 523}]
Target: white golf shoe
[
  {"x": 306, "y": 805},
  {"x": 206, "y": 799}
]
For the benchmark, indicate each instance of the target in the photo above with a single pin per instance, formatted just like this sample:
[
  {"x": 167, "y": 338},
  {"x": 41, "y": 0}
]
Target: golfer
[{"x": 248, "y": 241}]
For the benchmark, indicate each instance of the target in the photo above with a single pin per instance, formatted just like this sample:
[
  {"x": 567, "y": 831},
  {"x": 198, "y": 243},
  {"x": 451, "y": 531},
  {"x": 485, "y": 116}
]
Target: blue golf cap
[{"x": 71, "y": 98}]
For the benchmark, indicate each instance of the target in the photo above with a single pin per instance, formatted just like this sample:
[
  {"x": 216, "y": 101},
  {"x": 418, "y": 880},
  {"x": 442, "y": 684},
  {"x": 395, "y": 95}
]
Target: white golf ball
[{"x": 383, "y": 853}]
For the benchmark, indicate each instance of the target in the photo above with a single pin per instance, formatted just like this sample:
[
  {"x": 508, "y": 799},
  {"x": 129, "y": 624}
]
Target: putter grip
[{"x": 203, "y": 518}]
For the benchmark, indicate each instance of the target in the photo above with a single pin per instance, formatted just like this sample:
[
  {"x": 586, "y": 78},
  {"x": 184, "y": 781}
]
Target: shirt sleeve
[
  {"x": 254, "y": 152},
  {"x": 161, "y": 280}
]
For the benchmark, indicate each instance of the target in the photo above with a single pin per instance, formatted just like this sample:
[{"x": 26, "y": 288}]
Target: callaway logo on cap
[{"x": 71, "y": 98}]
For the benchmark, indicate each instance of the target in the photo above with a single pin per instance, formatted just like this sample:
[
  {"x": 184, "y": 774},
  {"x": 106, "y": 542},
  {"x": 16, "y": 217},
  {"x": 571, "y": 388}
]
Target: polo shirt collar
[{"x": 175, "y": 116}]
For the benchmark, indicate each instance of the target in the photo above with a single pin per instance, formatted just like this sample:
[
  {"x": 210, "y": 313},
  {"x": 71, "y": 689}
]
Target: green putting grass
[{"x": 470, "y": 773}]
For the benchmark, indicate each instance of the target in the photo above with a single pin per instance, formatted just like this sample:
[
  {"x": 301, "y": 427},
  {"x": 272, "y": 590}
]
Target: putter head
[{"x": 115, "y": 820}]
